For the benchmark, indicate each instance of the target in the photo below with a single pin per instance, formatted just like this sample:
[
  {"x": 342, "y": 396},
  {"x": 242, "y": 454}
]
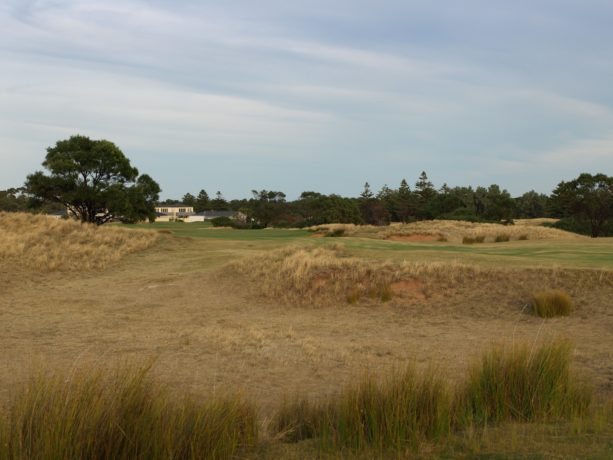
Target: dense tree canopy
[
  {"x": 587, "y": 198},
  {"x": 95, "y": 181}
]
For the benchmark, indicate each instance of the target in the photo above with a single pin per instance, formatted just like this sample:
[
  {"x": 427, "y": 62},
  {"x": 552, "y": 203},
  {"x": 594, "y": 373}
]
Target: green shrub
[
  {"x": 521, "y": 384},
  {"x": 222, "y": 222},
  {"x": 580, "y": 226},
  {"x": 554, "y": 302},
  {"x": 502, "y": 238},
  {"x": 122, "y": 416}
]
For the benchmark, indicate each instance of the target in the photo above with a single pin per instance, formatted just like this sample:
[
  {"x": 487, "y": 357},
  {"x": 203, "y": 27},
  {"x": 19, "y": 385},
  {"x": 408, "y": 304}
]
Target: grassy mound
[
  {"x": 321, "y": 275},
  {"x": 42, "y": 243},
  {"x": 325, "y": 275},
  {"x": 121, "y": 416},
  {"x": 452, "y": 231}
]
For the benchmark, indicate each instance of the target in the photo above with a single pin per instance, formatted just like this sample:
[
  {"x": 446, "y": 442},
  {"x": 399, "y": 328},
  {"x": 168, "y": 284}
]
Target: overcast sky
[{"x": 299, "y": 95}]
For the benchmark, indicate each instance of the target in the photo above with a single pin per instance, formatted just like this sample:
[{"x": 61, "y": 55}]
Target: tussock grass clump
[
  {"x": 503, "y": 238},
  {"x": 394, "y": 413},
  {"x": 42, "y": 243},
  {"x": 523, "y": 237},
  {"x": 554, "y": 302},
  {"x": 522, "y": 384},
  {"x": 122, "y": 416}
]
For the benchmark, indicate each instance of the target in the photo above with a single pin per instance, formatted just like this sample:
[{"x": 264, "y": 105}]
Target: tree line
[
  {"x": 584, "y": 204},
  {"x": 96, "y": 182}
]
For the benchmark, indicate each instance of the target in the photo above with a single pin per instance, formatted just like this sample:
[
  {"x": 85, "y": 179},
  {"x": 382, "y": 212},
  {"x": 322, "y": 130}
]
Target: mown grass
[
  {"x": 551, "y": 303},
  {"x": 123, "y": 415}
]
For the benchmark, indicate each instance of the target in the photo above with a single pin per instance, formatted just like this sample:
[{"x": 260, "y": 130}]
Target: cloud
[{"x": 350, "y": 88}]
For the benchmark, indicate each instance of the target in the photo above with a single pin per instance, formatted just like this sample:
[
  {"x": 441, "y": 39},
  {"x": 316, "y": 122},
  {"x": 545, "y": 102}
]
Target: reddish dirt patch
[
  {"x": 408, "y": 289},
  {"x": 416, "y": 238}
]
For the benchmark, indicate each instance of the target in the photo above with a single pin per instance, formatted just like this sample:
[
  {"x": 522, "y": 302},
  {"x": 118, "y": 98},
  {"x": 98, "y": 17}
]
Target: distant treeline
[{"x": 585, "y": 205}]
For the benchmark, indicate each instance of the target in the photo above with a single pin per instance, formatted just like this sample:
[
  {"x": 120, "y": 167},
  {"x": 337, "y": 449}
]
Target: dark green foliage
[
  {"x": 219, "y": 203},
  {"x": 481, "y": 204},
  {"x": 581, "y": 226},
  {"x": 202, "y": 202},
  {"x": 268, "y": 207},
  {"x": 95, "y": 181},
  {"x": 13, "y": 199},
  {"x": 531, "y": 205},
  {"x": 588, "y": 199},
  {"x": 189, "y": 200},
  {"x": 222, "y": 222}
]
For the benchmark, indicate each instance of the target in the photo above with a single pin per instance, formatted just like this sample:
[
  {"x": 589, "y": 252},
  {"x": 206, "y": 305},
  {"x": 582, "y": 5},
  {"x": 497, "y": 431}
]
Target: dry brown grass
[
  {"x": 453, "y": 231},
  {"x": 327, "y": 274},
  {"x": 554, "y": 302},
  {"x": 41, "y": 244},
  {"x": 320, "y": 275}
]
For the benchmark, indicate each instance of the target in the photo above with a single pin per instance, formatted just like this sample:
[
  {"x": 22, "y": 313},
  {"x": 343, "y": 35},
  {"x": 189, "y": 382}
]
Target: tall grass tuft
[
  {"x": 396, "y": 413},
  {"x": 122, "y": 416},
  {"x": 554, "y": 302},
  {"x": 502, "y": 238},
  {"x": 521, "y": 384}
]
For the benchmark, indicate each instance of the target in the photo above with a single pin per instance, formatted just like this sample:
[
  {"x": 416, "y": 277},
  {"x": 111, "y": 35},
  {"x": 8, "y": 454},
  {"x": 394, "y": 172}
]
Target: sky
[{"x": 313, "y": 95}]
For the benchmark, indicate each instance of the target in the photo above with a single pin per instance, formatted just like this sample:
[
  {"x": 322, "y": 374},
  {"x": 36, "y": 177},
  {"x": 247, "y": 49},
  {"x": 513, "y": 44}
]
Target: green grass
[
  {"x": 121, "y": 416},
  {"x": 554, "y": 302},
  {"x": 597, "y": 253},
  {"x": 206, "y": 230}
]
